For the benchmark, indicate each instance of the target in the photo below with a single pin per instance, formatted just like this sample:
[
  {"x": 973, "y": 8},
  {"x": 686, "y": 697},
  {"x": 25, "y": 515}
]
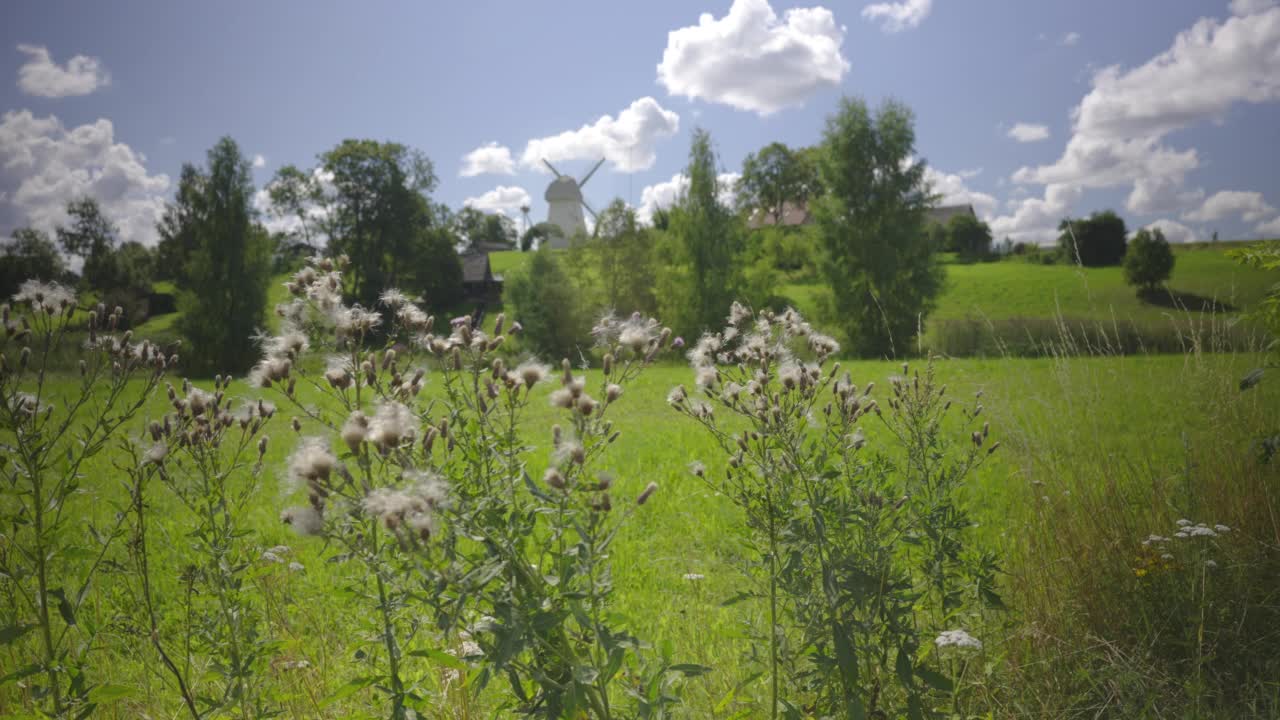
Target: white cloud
[
  {"x": 667, "y": 193},
  {"x": 1270, "y": 228},
  {"x": 1248, "y": 205},
  {"x": 491, "y": 158},
  {"x": 289, "y": 223},
  {"x": 504, "y": 199},
  {"x": 259, "y": 161},
  {"x": 751, "y": 61},
  {"x": 40, "y": 75},
  {"x": 1251, "y": 7},
  {"x": 1120, "y": 125},
  {"x": 1174, "y": 232},
  {"x": 1028, "y": 132},
  {"x": 898, "y": 16},
  {"x": 43, "y": 165},
  {"x": 627, "y": 142},
  {"x": 1069, "y": 39},
  {"x": 953, "y": 190},
  {"x": 1036, "y": 219}
]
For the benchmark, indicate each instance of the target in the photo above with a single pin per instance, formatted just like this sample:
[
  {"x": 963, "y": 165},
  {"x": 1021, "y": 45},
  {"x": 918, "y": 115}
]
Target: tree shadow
[{"x": 1178, "y": 300}]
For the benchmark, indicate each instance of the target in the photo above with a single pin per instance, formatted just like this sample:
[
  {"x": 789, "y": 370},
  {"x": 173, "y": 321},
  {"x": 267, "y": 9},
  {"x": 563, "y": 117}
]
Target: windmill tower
[{"x": 565, "y": 205}]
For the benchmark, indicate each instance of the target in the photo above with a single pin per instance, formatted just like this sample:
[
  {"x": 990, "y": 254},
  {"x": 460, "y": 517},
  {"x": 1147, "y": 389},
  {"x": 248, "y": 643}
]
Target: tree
[
  {"x": 379, "y": 214},
  {"x": 224, "y": 296},
  {"x": 481, "y": 230},
  {"x": 968, "y": 236},
  {"x": 1097, "y": 241},
  {"x": 706, "y": 239},
  {"x": 30, "y": 256},
  {"x": 91, "y": 237},
  {"x": 294, "y": 196},
  {"x": 177, "y": 225},
  {"x": 621, "y": 258},
  {"x": 538, "y": 233},
  {"x": 1149, "y": 260},
  {"x": 775, "y": 177},
  {"x": 880, "y": 263},
  {"x": 548, "y": 303}
]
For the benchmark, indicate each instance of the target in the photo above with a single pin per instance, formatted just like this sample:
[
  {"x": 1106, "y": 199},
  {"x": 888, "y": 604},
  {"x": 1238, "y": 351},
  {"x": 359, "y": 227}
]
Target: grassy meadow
[{"x": 1143, "y": 440}]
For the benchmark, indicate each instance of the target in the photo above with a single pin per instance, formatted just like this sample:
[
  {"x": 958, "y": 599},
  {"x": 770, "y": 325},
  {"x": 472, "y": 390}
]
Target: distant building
[
  {"x": 943, "y": 213},
  {"x": 479, "y": 284}
]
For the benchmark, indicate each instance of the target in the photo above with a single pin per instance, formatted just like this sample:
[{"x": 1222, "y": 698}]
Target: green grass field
[{"x": 1050, "y": 415}]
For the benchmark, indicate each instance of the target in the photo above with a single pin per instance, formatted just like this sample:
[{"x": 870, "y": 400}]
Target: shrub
[
  {"x": 968, "y": 236},
  {"x": 547, "y": 301},
  {"x": 1096, "y": 241},
  {"x": 1149, "y": 260}
]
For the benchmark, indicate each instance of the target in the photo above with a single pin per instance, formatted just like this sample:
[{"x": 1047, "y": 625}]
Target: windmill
[{"x": 565, "y": 205}]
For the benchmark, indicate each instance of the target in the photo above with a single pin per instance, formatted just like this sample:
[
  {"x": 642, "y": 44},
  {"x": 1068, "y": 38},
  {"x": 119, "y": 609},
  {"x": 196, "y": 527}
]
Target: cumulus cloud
[
  {"x": 504, "y": 199},
  {"x": 953, "y": 191},
  {"x": 1270, "y": 228},
  {"x": 1248, "y": 205},
  {"x": 1028, "y": 132},
  {"x": 259, "y": 161},
  {"x": 1174, "y": 232},
  {"x": 750, "y": 60},
  {"x": 1035, "y": 219},
  {"x": 898, "y": 16},
  {"x": 43, "y": 165},
  {"x": 40, "y": 75},
  {"x": 1119, "y": 127},
  {"x": 1251, "y": 7},
  {"x": 492, "y": 158},
  {"x": 628, "y": 141},
  {"x": 1069, "y": 39},
  {"x": 663, "y": 195}
]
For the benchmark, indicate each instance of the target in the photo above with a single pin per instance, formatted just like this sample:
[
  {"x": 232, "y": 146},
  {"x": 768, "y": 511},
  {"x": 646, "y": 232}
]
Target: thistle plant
[
  {"x": 49, "y": 552},
  {"x": 208, "y": 454},
  {"x": 467, "y": 560},
  {"x": 862, "y": 554}
]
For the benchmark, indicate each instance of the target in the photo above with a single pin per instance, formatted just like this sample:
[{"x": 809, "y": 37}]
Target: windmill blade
[
  {"x": 594, "y": 216},
  {"x": 584, "y": 180},
  {"x": 557, "y": 172}
]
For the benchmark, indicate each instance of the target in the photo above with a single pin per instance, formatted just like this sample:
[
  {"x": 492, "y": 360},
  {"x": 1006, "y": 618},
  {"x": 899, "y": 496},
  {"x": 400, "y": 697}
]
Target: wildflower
[
  {"x": 737, "y": 313},
  {"x": 1166, "y": 557},
  {"x": 531, "y": 372},
  {"x": 1222, "y": 528},
  {"x": 553, "y": 478},
  {"x": 570, "y": 450},
  {"x": 562, "y": 398},
  {"x": 290, "y": 344},
  {"x": 704, "y": 353},
  {"x": 413, "y": 507},
  {"x": 1210, "y": 564},
  {"x": 706, "y": 376},
  {"x": 1155, "y": 539},
  {"x": 698, "y": 469},
  {"x": 393, "y": 298},
  {"x": 304, "y": 520},
  {"x": 271, "y": 557},
  {"x": 355, "y": 321},
  {"x": 957, "y": 639},
  {"x": 700, "y": 409},
  {"x": 156, "y": 453},
  {"x": 693, "y": 577},
  {"x": 44, "y": 297},
  {"x": 354, "y": 430},
  {"x": 677, "y": 395},
  {"x": 857, "y": 439},
  {"x": 1184, "y": 522},
  {"x": 1201, "y": 531},
  {"x": 311, "y": 461},
  {"x": 295, "y": 664},
  {"x": 586, "y": 404},
  {"x": 612, "y": 392},
  {"x": 280, "y": 549},
  {"x": 392, "y": 424},
  {"x": 647, "y": 493}
]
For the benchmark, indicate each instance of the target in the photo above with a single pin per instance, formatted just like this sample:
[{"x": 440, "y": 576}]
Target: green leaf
[
  {"x": 690, "y": 669},
  {"x": 20, "y": 673},
  {"x": 935, "y": 680},
  {"x": 108, "y": 693},
  {"x": 903, "y": 667},
  {"x": 442, "y": 658},
  {"x": 12, "y": 633},
  {"x": 64, "y": 606},
  {"x": 351, "y": 687}
]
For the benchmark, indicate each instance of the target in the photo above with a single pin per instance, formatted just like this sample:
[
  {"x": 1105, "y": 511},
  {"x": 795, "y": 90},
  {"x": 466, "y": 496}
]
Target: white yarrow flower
[{"x": 957, "y": 639}]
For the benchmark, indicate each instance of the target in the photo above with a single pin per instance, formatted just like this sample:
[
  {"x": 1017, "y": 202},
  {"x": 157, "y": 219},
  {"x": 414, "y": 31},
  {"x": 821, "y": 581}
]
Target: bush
[
  {"x": 1149, "y": 259},
  {"x": 1098, "y": 241},
  {"x": 968, "y": 236},
  {"x": 547, "y": 302}
]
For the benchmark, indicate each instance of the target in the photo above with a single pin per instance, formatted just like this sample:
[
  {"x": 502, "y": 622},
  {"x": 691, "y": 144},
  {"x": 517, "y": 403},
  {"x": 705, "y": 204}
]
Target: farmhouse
[
  {"x": 479, "y": 284},
  {"x": 942, "y": 214}
]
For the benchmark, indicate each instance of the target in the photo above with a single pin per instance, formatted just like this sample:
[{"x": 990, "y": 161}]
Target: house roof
[
  {"x": 475, "y": 268},
  {"x": 792, "y": 214},
  {"x": 942, "y": 214}
]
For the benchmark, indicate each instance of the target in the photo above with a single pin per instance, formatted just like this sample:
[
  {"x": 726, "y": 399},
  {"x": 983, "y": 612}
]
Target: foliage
[
  {"x": 295, "y": 196},
  {"x": 968, "y": 236},
  {"x": 547, "y": 301},
  {"x": 463, "y": 558},
  {"x": 1096, "y": 241},
  {"x": 177, "y": 226},
  {"x": 619, "y": 259},
  {"x": 120, "y": 274},
  {"x": 380, "y": 216},
  {"x": 863, "y": 551},
  {"x": 485, "y": 231},
  {"x": 704, "y": 243},
  {"x": 537, "y": 234},
  {"x": 224, "y": 295},
  {"x": 51, "y": 556},
  {"x": 775, "y": 177},
  {"x": 31, "y": 256},
  {"x": 1149, "y": 259},
  {"x": 879, "y": 262}
]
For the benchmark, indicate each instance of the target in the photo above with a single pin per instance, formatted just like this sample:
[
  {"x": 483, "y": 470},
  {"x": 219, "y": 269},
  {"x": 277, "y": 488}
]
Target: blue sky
[{"x": 1164, "y": 110}]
